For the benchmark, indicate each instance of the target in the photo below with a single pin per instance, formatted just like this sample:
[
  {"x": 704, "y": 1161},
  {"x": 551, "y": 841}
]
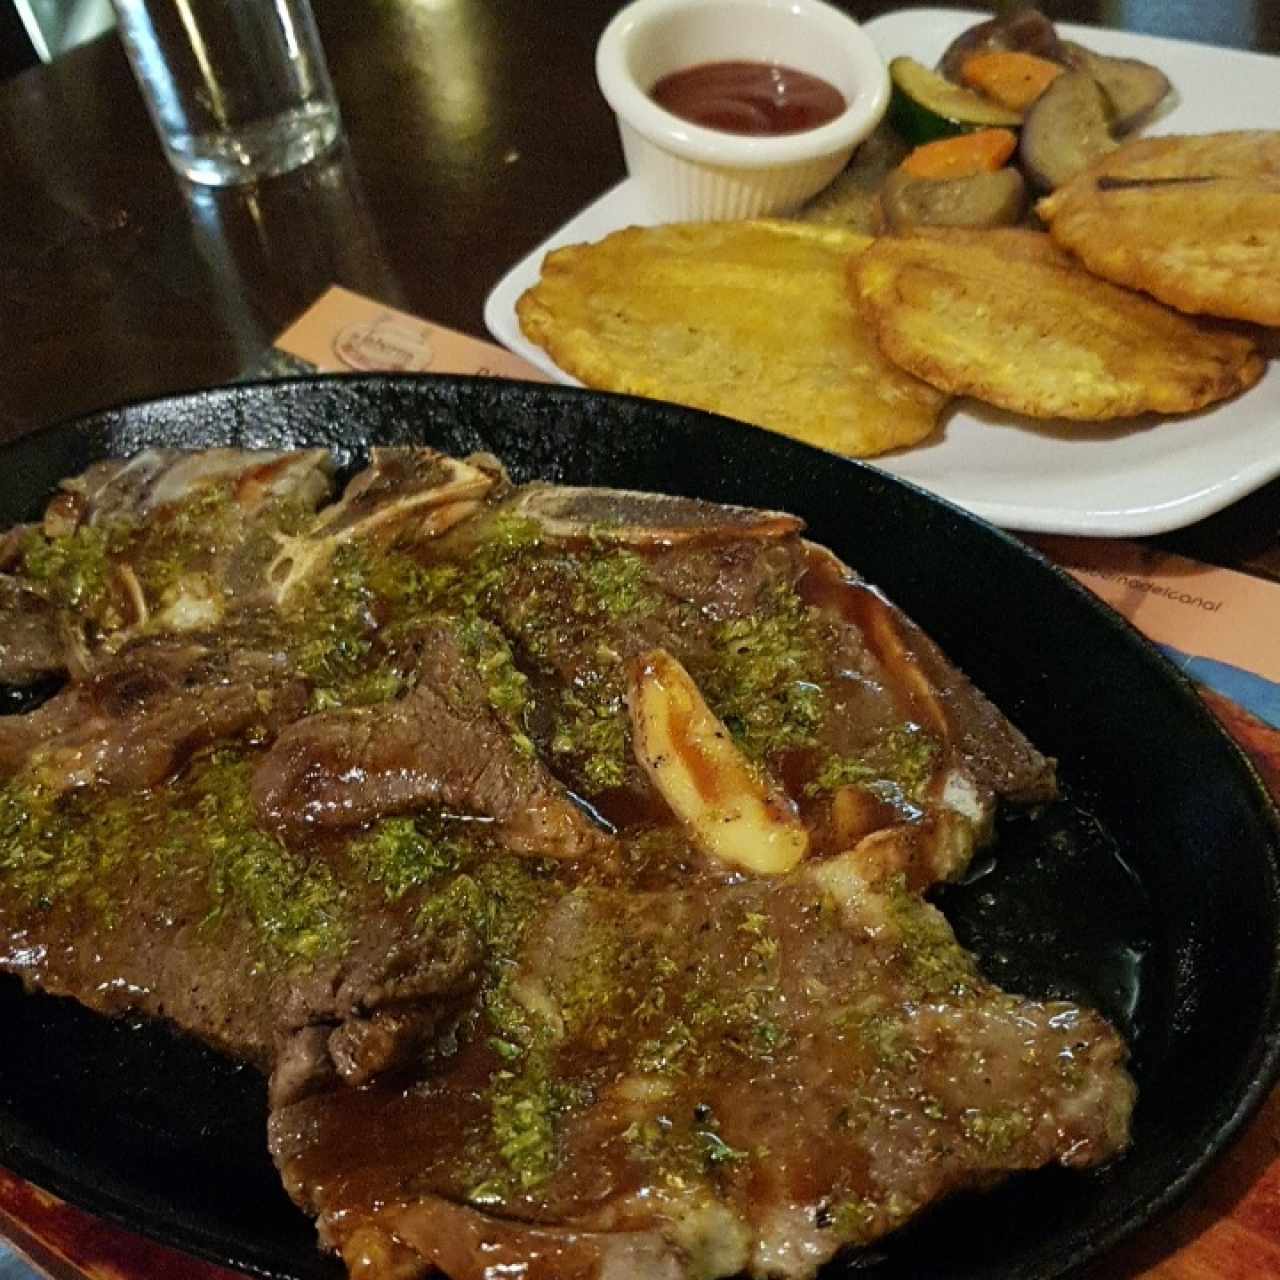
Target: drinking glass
[
  {"x": 238, "y": 89},
  {"x": 54, "y": 26}
]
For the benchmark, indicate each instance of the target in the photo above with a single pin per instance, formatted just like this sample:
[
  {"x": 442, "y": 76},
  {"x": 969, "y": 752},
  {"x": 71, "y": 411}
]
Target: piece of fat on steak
[
  {"x": 154, "y": 479},
  {"x": 724, "y": 1079}
]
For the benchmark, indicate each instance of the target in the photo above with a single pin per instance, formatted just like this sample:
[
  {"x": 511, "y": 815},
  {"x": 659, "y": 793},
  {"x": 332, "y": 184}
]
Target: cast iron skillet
[{"x": 1151, "y": 889}]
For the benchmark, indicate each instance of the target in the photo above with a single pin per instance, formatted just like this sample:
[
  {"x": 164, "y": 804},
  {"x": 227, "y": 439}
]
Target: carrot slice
[
  {"x": 984, "y": 151},
  {"x": 1014, "y": 80}
]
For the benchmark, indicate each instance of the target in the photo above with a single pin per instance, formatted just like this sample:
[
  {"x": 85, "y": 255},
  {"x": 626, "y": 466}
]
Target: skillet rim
[{"x": 1259, "y": 1068}]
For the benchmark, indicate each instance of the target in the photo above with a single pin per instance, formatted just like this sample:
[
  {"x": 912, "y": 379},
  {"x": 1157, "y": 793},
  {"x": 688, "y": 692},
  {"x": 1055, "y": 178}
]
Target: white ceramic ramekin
[{"x": 689, "y": 173}]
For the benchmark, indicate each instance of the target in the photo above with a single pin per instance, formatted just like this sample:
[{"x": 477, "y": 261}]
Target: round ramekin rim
[{"x": 633, "y": 105}]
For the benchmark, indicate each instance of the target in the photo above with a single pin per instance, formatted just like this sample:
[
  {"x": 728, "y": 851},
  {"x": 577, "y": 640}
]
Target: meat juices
[{"x": 350, "y": 792}]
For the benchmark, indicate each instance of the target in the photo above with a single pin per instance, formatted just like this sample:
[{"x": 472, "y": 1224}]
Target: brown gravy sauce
[{"x": 827, "y": 585}]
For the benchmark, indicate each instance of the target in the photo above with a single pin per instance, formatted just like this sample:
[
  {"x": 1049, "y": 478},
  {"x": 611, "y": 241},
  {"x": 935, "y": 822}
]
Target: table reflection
[{"x": 271, "y": 249}]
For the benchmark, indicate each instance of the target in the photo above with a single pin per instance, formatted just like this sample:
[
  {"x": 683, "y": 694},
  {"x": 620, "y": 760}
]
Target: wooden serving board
[{"x": 1228, "y": 1229}]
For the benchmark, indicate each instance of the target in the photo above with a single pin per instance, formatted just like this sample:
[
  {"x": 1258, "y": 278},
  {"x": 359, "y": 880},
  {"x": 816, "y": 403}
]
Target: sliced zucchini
[{"x": 926, "y": 106}]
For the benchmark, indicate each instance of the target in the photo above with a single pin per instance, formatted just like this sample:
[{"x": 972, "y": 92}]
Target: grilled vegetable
[
  {"x": 1014, "y": 80},
  {"x": 1134, "y": 89},
  {"x": 1026, "y": 31},
  {"x": 1065, "y": 131},
  {"x": 982, "y": 152},
  {"x": 851, "y": 200},
  {"x": 980, "y": 200},
  {"x": 925, "y": 106}
]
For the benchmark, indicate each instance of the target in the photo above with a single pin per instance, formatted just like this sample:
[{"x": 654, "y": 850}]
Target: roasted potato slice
[
  {"x": 730, "y": 808},
  {"x": 749, "y": 319},
  {"x": 1009, "y": 318},
  {"x": 1193, "y": 221}
]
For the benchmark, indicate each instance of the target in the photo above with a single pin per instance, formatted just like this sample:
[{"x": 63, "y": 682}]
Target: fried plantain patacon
[
  {"x": 1193, "y": 221},
  {"x": 1009, "y": 318},
  {"x": 749, "y": 319}
]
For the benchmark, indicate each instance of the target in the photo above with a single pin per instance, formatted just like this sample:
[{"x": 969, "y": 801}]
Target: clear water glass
[{"x": 238, "y": 89}]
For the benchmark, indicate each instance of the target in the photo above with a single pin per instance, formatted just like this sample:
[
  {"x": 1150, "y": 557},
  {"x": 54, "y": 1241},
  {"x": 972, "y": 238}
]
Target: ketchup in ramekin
[{"x": 755, "y": 98}]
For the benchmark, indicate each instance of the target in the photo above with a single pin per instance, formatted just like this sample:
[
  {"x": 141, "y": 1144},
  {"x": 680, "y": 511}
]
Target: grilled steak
[
  {"x": 558, "y": 852},
  {"x": 438, "y": 745},
  {"x": 30, "y": 643},
  {"x": 746, "y": 1077}
]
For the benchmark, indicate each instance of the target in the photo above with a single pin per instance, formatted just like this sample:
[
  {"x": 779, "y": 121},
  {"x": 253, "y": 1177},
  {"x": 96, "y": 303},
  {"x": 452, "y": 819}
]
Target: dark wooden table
[{"x": 474, "y": 130}]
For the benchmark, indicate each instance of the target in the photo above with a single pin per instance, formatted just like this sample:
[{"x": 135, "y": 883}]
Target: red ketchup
[{"x": 748, "y": 97}]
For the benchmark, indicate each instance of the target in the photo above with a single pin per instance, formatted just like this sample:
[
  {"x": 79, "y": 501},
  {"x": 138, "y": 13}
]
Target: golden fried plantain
[
  {"x": 1009, "y": 318},
  {"x": 1193, "y": 221},
  {"x": 749, "y": 319}
]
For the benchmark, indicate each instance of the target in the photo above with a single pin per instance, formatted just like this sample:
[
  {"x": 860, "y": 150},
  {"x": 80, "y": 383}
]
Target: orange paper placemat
[{"x": 344, "y": 332}]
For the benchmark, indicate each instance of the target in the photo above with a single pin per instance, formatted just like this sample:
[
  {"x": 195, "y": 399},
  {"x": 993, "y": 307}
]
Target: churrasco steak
[{"x": 559, "y": 853}]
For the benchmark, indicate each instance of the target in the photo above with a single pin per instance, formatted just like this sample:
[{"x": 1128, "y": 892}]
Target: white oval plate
[{"x": 1143, "y": 477}]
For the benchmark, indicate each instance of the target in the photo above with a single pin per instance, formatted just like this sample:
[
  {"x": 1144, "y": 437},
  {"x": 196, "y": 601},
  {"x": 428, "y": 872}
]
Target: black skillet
[{"x": 1152, "y": 889}]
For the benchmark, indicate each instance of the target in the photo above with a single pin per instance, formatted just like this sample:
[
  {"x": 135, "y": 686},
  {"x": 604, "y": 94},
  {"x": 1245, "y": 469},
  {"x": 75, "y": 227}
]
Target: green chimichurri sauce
[
  {"x": 765, "y": 677},
  {"x": 900, "y": 764},
  {"x": 548, "y": 630},
  {"x": 84, "y": 851}
]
